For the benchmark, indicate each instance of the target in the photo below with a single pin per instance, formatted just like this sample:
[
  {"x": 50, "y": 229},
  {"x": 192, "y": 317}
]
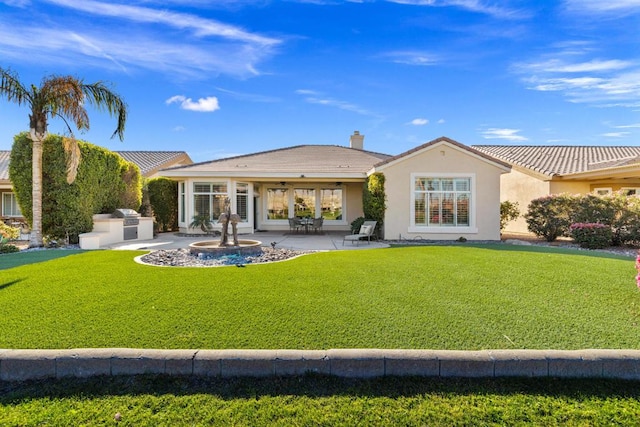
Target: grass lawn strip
[
  {"x": 317, "y": 400},
  {"x": 462, "y": 298}
]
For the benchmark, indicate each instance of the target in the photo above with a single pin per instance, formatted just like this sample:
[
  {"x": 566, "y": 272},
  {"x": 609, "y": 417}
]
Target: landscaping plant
[
  {"x": 591, "y": 235},
  {"x": 549, "y": 217},
  {"x": 509, "y": 211}
]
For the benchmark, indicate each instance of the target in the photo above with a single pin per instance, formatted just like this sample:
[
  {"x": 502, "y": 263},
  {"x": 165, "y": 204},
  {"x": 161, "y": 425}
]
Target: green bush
[
  {"x": 356, "y": 224},
  {"x": 6, "y": 248},
  {"x": 591, "y": 235},
  {"x": 626, "y": 219},
  {"x": 549, "y": 217},
  {"x": 104, "y": 182},
  {"x": 374, "y": 200},
  {"x": 509, "y": 211},
  {"x": 163, "y": 197},
  {"x": 593, "y": 209}
]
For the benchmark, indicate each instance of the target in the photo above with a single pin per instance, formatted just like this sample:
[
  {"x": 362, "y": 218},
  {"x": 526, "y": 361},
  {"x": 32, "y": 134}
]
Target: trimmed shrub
[
  {"x": 374, "y": 199},
  {"x": 67, "y": 209},
  {"x": 163, "y": 197},
  {"x": 591, "y": 235},
  {"x": 591, "y": 208},
  {"x": 549, "y": 217},
  {"x": 509, "y": 211}
]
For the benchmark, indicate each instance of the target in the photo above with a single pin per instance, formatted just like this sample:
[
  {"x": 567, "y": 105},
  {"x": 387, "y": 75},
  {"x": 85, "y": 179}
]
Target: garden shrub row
[
  {"x": 593, "y": 221},
  {"x": 163, "y": 200},
  {"x": 105, "y": 182}
]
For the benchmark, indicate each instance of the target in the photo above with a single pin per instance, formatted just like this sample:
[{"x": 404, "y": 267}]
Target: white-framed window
[
  {"x": 311, "y": 201},
  {"x": 10, "y": 205},
  {"x": 183, "y": 201},
  {"x": 242, "y": 200},
  {"x": 208, "y": 198},
  {"x": 603, "y": 191},
  {"x": 630, "y": 191},
  {"x": 442, "y": 203}
]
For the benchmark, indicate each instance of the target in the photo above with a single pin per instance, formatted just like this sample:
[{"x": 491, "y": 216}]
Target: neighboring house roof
[
  {"x": 150, "y": 162},
  {"x": 445, "y": 140},
  {"x": 563, "y": 160},
  {"x": 310, "y": 161},
  {"x": 4, "y": 165}
]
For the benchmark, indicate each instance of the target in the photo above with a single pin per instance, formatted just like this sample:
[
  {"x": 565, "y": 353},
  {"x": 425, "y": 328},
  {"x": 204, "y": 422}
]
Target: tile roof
[
  {"x": 149, "y": 161},
  {"x": 563, "y": 159},
  {"x": 300, "y": 159},
  {"x": 449, "y": 141}
]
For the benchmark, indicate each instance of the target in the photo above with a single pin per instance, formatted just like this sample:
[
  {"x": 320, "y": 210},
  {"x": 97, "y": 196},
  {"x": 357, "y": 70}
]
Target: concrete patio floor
[{"x": 304, "y": 242}]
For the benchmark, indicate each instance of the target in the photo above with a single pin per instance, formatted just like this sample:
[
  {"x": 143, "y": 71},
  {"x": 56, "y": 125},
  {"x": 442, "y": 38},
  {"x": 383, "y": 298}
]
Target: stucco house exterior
[
  {"x": 149, "y": 162},
  {"x": 439, "y": 190},
  {"x": 538, "y": 171}
]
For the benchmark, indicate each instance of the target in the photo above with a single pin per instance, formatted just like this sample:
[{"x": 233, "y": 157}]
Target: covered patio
[{"x": 328, "y": 241}]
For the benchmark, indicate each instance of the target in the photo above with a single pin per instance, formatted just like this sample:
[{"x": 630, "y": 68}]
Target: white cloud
[
  {"x": 179, "y": 129},
  {"x": 419, "y": 122},
  {"x": 477, "y": 6},
  {"x": 182, "y": 45},
  {"x": 604, "y": 82},
  {"x": 602, "y": 6},
  {"x": 410, "y": 57},
  {"x": 615, "y": 134},
  {"x": 200, "y": 26},
  {"x": 441, "y": 121},
  {"x": 503, "y": 133},
  {"x": 634, "y": 125},
  {"x": 314, "y": 97},
  {"x": 202, "y": 105}
]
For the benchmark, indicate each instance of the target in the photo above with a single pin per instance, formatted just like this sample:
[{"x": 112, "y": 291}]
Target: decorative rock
[{"x": 183, "y": 258}]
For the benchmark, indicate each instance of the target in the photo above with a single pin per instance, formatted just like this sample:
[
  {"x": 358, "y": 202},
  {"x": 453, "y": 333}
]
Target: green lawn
[
  {"x": 319, "y": 401},
  {"x": 449, "y": 297}
]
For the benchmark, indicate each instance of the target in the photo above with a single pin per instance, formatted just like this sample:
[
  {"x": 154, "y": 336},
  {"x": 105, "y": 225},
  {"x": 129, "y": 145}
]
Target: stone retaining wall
[{"x": 20, "y": 365}]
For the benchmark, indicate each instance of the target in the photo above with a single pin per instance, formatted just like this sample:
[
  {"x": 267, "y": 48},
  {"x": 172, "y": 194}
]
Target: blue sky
[{"x": 228, "y": 77}]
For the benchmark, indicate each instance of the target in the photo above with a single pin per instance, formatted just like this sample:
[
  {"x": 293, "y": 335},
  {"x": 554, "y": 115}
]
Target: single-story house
[
  {"x": 439, "y": 190},
  {"x": 538, "y": 171},
  {"x": 149, "y": 162}
]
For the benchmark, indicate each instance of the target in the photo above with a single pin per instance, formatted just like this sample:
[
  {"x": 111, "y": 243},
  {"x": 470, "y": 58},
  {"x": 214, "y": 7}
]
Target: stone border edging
[{"x": 21, "y": 365}]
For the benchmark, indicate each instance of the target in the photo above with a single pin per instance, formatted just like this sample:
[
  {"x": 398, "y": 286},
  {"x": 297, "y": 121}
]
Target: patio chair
[
  {"x": 366, "y": 231},
  {"x": 294, "y": 224},
  {"x": 317, "y": 224}
]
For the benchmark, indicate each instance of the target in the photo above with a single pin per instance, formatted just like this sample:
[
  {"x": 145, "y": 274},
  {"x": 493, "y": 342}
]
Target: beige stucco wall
[
  {"x": 521, "y": 188},
  {"x": 443, "y": 161}
]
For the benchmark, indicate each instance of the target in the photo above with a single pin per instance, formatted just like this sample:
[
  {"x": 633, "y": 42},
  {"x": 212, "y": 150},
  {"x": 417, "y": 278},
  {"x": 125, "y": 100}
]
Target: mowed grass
[
  {"x": 448, "y": 297},
  {"x": 319, "y": 401}
]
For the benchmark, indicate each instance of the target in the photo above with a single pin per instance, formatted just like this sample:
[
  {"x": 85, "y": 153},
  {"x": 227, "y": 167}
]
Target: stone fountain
[{"x": 224, "y": 247}]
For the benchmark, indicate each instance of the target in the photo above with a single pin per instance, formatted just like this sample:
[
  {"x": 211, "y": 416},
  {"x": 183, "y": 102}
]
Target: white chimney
[{"x": 356, "y": 140}]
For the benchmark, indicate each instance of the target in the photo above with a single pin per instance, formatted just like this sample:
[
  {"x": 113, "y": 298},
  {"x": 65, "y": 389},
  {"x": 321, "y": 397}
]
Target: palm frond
[
  {"x": 12, "y": 89},
  {"x": 101, "y": 97},
  {"x": 73, "y": 154}
]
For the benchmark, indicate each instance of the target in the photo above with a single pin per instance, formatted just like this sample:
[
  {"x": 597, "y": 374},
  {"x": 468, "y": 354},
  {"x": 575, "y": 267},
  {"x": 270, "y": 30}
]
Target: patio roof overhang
[
  {"x": 269, "y": 176},
  {"x": 614, "y": 173}
]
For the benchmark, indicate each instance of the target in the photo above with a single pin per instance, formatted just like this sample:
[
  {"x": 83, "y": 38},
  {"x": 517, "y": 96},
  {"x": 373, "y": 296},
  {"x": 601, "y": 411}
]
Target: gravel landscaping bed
[{"x": 183, "y": 258}]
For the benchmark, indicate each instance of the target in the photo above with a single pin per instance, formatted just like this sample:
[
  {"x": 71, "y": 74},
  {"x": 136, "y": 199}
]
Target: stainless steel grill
[{"x": 130, "y": 221}]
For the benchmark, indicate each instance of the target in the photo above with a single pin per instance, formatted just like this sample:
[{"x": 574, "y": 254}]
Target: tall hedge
[
  {"x": 105, "y": 181},
  {"x": 374, "y": 199},
  {"x": 163, "y": 196}
]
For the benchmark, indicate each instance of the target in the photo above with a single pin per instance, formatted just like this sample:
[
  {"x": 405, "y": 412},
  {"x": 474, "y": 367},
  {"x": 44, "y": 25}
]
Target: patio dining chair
[
  {"x": 317, "y": 224},
  {"x": 366, "y": 231},
  {"x": 294, "y": 224}
]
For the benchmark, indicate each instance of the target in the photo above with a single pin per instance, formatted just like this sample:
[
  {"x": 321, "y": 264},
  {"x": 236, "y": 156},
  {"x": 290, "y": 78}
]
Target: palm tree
[{"x": 65, "y": 97}]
